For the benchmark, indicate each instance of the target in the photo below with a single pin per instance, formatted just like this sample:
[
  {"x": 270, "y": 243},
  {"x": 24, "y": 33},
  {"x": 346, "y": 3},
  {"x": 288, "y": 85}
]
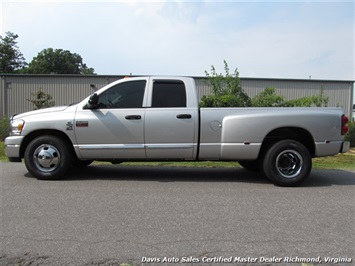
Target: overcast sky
[{"x": 286, "y": 39}]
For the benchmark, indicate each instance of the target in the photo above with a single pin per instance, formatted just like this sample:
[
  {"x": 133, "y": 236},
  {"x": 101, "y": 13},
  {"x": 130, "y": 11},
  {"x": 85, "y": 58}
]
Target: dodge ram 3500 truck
[{"x": 158, "y": 118}]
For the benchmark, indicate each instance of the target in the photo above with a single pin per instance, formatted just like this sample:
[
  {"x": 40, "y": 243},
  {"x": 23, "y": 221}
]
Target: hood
[{"x": 42, "y": 111}]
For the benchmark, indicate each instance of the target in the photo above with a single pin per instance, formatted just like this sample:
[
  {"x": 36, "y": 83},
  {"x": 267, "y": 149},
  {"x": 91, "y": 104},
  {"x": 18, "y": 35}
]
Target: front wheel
[
  {"x": 47, "y": 157},
  {"x": 287, "y": 163}
]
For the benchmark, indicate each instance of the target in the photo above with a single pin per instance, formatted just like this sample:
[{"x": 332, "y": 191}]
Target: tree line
[
  {"x": 226, "y": 88},
  {"x": 47, "y": 61}
]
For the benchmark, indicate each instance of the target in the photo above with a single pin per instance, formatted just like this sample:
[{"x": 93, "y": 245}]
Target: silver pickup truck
[{"x": 158, "y": 119}]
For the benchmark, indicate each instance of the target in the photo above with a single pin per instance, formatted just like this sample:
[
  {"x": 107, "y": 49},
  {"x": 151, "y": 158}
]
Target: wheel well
[
  {"x": 47, "y": 132},
  {"x": 299, "y": 134}
]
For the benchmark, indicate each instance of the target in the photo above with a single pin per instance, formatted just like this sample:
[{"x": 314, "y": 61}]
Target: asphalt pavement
[{"x": 109, "y": 215}]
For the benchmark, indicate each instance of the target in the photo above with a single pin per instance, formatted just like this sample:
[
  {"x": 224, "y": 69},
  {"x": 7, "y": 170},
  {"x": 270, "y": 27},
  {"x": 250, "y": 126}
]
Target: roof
[{"x": 196, "y": 77}]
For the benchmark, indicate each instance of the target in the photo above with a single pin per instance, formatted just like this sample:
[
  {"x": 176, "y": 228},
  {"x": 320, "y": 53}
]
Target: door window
[
  {"x": 123, "y": 95},
  {"x": 168, "y": 94}
]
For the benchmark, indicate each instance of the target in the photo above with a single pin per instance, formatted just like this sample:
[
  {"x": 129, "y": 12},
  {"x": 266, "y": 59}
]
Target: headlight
[{"x": 16, "y": 127}]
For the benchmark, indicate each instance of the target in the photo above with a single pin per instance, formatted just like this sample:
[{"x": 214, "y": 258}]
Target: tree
[
  {"x": 226, "y": 90},
  {"x": 11, "y": 59},
  {"x": 41, "y": 100},
  {"x": 57, "y": 61}
]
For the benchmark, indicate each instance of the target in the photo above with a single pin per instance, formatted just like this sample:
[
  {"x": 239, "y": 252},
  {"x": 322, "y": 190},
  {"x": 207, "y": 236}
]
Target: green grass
[
  {"x": 2, "y": 152},
  {"x": 340, "y": 161}
]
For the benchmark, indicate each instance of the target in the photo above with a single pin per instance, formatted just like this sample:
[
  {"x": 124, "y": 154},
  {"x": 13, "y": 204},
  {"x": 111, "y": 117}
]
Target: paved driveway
[{"x": 107, "y": 215}]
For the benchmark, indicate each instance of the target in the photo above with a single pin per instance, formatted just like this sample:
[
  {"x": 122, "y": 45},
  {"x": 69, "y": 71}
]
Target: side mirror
[{"x": 94, "y": 100}]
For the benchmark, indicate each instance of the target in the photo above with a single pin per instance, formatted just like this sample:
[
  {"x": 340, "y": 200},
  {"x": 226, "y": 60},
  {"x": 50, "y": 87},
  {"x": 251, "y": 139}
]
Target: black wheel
[
  {"x": 252, "y": 166},
  {"x": 287, "y": 163},
  {"x": 48, "y": 157}
]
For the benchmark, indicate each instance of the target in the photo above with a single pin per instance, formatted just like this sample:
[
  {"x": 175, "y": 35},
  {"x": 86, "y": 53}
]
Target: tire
[
  {"x": 252, "y": 166},
  {"x": 48, "y": 157},
  {"x": 287, "y": 163}
]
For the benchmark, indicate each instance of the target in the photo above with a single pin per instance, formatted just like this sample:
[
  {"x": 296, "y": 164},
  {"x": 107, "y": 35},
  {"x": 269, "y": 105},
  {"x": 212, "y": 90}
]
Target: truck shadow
[
  {"x": 164, "y": 174},
  {"x": 322, "y": 178},
  {"x": 317, "y": 178}
]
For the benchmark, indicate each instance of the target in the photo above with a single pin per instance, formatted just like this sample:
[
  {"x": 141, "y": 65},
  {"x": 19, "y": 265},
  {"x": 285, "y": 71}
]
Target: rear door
[{"x": 169, "y": 123}]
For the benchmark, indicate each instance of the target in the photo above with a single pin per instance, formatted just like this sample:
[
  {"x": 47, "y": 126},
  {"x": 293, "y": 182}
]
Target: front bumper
[{"x": 12, "y": 148}]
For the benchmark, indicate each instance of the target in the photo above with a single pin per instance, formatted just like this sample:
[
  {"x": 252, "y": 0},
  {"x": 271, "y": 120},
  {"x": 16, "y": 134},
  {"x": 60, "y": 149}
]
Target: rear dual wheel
[{"x": 286, "y": 163}]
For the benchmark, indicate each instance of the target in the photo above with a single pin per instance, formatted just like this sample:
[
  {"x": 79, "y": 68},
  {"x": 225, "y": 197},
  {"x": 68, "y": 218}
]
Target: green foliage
[
  {"x": 227, "y": 100},
  {"x": 226, "y": 90},
  {"x": 57, "y": 61},
  {"x": 41, "y": 100},
  {"x": 350, "y": 136},
  {"x": 46, "y": 62},
  {"x": 268, "y": 98},
  {"x": 4, "y": 128},
  {"x": 315, "y": 100},
  {"x": 2, "y": 152},
  {"x": 11, "y": 59}
]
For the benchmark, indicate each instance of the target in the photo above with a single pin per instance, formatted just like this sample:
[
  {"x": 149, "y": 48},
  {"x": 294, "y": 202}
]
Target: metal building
[{"x": 15, "y": 90}]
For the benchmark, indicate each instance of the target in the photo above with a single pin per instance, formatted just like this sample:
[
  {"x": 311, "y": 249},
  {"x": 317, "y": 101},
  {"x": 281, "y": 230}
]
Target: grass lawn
[
  {"x": 2, "y": 152},
  {"x": 340, "y": 161}
]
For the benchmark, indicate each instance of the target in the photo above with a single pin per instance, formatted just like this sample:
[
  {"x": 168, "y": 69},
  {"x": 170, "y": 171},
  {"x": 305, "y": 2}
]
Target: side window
[
  {"x": 123, "y": 95},
  {"x": 168, "y": 94}
]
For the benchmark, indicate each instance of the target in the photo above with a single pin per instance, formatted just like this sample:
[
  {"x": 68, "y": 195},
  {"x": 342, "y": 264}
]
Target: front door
[{"x": 115, "y": 128}]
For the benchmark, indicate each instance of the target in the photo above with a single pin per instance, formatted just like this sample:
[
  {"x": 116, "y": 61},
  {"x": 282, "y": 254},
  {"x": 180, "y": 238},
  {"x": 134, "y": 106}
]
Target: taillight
[{"x": 344, "y": 127}]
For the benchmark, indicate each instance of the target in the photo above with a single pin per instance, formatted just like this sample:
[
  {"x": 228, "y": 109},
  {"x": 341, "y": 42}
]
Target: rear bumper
[
  {"x": 331, "y": 148},
  {"x": 345, "y": 147},
  {"x": 12, "y": 148}
]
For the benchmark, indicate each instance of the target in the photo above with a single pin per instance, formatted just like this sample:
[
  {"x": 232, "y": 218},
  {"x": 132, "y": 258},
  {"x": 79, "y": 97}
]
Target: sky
[{"x": 263, "y": 39}]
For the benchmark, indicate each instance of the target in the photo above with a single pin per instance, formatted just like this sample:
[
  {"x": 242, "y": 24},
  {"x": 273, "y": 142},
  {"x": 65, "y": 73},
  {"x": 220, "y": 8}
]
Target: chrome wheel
[
  {"x": 289, "y": 163},
  {"x": 286, "y": 163},
  {"x": 46, "y": 158}
]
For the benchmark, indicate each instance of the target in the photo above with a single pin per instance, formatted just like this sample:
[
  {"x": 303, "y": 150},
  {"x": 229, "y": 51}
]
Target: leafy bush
[
  {"x": 42, "y": 100},
  {"x": 268, "y": 98},
  {"x": 227, "y": 100},
  {"x": 226, "y": 90},
  {"x": 4, "y": 128},
  {"x": 315, "y": 100},
  {"x": 350, "y": 136}
]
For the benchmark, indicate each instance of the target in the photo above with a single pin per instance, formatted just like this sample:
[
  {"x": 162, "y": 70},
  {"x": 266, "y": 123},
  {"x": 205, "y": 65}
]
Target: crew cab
[{"x": 158, "y": 118}]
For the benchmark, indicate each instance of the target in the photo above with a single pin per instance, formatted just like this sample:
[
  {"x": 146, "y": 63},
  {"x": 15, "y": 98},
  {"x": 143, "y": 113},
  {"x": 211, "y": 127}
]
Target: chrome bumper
[
  {"x": 331, "y": 148},
  {"x": 345, "y": 147}
]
